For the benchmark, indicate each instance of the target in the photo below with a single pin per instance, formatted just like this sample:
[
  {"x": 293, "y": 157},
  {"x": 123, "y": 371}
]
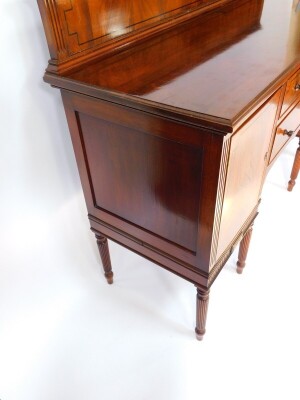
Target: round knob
[
  {"x": 297, "y": 87},
  {"x": 288, "y": 133}
]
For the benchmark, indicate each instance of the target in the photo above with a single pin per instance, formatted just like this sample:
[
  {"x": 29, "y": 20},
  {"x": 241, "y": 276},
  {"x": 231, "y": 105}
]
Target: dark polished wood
[
  {"x": 176, "y": 110},
  {"x": 295, "y": 169},
  {"x": 79, "y": 31},
  {"x": 243, "y": 251},
  {"x": 250, "y": 46},
  {"x": 201, "y": 312},
  {"x": 105, "y": 257}
]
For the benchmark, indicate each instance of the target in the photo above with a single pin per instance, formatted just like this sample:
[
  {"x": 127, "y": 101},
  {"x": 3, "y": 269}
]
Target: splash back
[{"x": 78, "y": 27}]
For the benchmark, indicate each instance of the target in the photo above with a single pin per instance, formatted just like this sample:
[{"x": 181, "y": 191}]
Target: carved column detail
[
  {"x": 243, "y": 251},
  {"x": 201, "y": 312},
  {"x": 105, "y": 257},
  {"x": 295, "y": 169}
]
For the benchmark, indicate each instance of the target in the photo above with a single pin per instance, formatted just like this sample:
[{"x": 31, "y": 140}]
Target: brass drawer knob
[
  {"x": 297, "y": 87},
  {"x": 288, "y": 133}
]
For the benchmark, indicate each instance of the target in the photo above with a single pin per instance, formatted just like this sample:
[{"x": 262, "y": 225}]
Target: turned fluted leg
[
  {"x": 243, "y": 251},
  {"x": 105, "y": 257},
  {"x": 295, "y": 169},
  {"x": 201, "y": 312}
]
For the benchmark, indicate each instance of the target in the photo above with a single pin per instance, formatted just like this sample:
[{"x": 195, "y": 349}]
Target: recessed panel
[
  {"x": 147, "y": 180},
  {"x": 100, "y": 21}
]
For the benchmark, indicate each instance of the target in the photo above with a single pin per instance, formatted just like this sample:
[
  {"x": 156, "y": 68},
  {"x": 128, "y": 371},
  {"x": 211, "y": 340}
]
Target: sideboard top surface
[{"x": 216, "y": 64}]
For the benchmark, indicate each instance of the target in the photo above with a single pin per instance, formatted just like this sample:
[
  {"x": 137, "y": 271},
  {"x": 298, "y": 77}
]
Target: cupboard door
[{"x": 246, "y": 171}]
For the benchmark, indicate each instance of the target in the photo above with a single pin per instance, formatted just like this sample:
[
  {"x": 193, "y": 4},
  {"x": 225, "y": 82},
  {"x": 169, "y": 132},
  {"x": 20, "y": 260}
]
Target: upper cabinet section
[{"x": 75, "y": 28}]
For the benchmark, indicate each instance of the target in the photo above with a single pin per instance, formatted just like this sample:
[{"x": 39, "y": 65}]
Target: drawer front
[
  {"x": 286, "y": 130},
  {"x": 292, "y": 92}
]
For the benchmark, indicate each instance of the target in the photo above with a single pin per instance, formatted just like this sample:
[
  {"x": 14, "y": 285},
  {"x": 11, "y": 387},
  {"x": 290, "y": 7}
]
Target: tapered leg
[
  {"x": 295, "y": 169},
  {"x": 105, "y": 257},
  {"x": 201, "y": 312},
  {"x": 243, "y": 251}
]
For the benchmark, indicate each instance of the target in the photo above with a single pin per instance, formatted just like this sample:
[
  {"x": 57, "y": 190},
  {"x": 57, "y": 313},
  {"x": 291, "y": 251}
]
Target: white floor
[{"x": 66, "y": 334}]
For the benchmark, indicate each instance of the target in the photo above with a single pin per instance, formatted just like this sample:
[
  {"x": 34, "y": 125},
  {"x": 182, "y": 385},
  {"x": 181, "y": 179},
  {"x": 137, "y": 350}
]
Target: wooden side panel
[
  {"x": 146, "y": 180},
  {"x": 246, "y": 171}
]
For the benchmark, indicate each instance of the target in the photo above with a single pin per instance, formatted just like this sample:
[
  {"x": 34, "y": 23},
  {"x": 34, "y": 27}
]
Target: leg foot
[
  {"x": 243, "y": 251},
  {"x": 105, "y": 257},
  {"x": 201, "y": 312},
  {"x": 295, "y": 170}
]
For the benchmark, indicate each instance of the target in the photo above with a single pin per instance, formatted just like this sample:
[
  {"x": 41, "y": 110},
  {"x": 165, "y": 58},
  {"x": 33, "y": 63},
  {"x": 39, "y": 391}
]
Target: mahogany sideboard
[{"x": 176, "y": 109}]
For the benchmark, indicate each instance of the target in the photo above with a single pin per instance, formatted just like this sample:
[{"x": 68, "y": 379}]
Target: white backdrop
[{"x": 64, "y": 333}]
